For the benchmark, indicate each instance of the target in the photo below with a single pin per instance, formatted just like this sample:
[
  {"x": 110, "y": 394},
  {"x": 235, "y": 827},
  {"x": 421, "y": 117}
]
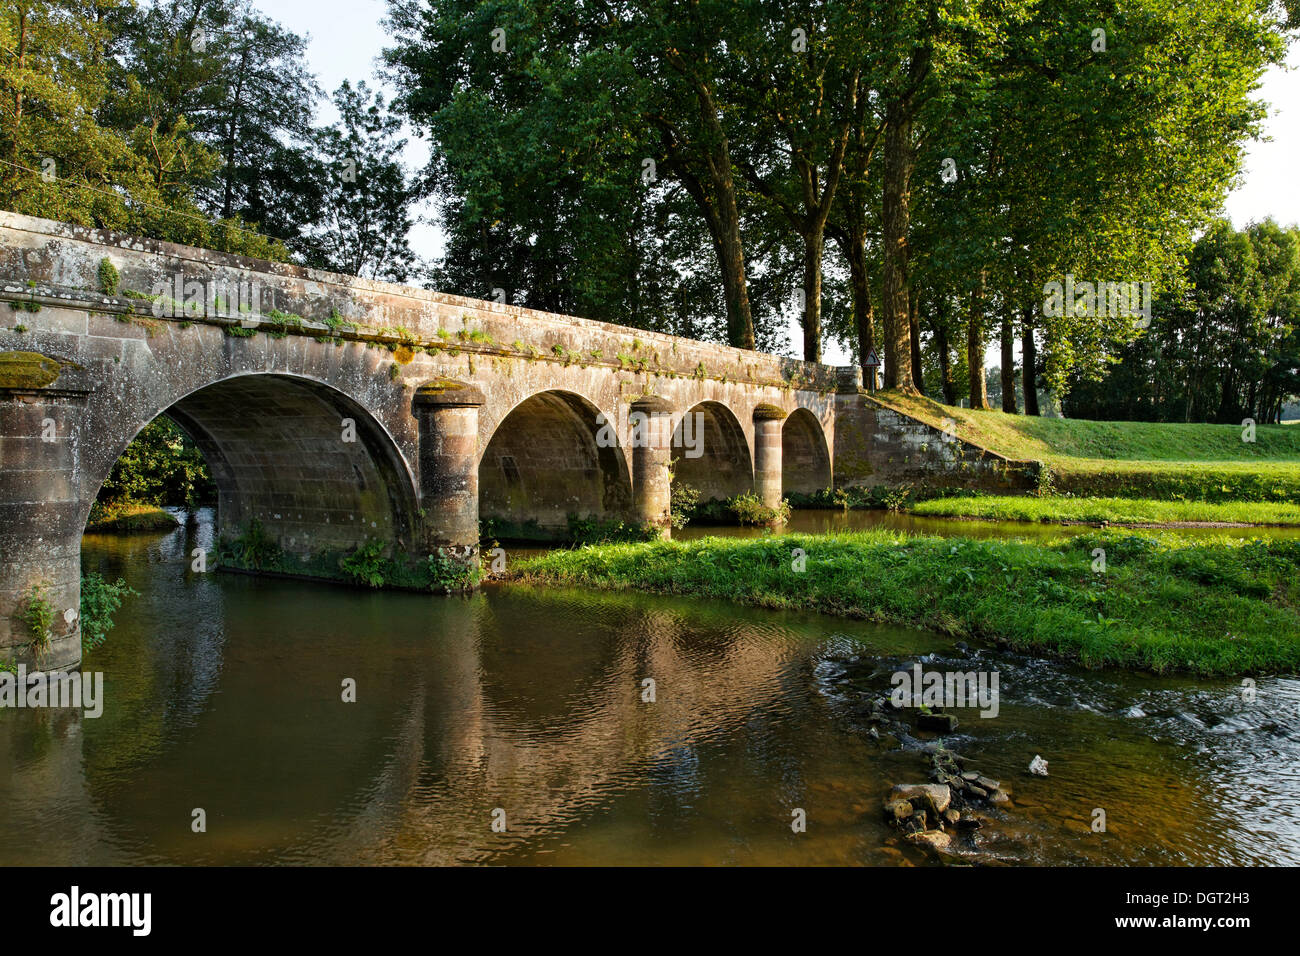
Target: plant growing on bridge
[
  {"x": 280, "y": 322},
  {"x": 39, "y": 618},
  {"x": 336, "y": 322},
  {"x": 367, "y": 564},
  {"x": 108, "y": 276},
  {"x": 447, "y": 573},
  {"x": 31, "y": 305}
]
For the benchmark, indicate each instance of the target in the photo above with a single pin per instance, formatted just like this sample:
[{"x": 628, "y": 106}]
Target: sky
[{"x": 346, "y": 37}]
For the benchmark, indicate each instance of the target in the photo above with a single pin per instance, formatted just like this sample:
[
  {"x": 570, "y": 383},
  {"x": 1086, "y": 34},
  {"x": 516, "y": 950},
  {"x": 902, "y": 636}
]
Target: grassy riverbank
[
  {"x": 1133, "y": 459},
  {"x": 128, "y": 517},
  {"x": 1162, "y": 604},
  {"x": 1134, "y": 511}
]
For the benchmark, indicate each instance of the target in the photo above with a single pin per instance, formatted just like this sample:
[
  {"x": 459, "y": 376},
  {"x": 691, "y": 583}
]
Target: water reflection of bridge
[
  {"x": 585, "y": 740},
  {"x": 489, "y": 718}
]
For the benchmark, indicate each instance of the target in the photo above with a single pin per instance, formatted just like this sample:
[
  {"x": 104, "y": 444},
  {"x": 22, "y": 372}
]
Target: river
[{"x": 524, "y": 707}]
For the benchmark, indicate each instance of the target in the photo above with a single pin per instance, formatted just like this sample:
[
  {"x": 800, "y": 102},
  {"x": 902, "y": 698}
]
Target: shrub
[
  {"x": 749, "y": 509},
  {"x": 685, "y": 499},
  {"x": 252, "y": 549},
  {"x": 99, "y": 602},
  {"x": 595, "y": 530},
  {"x": 447, "y": 573}
]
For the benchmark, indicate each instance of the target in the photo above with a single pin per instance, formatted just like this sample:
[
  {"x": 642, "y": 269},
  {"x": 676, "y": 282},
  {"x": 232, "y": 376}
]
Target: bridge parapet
[{"x": 51, "y": 263}]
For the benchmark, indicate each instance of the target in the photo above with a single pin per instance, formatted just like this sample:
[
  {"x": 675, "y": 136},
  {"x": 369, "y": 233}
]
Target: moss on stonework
[
  {"x": 442, "y": 386},
  {"x": 28, "y": 370}
]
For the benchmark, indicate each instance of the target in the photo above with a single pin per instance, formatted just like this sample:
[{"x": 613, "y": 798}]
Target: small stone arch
[
  {"x": 552, "y": 456},
  {"x": 710, "y": 452},
  {"x": 805, "y": 458}
]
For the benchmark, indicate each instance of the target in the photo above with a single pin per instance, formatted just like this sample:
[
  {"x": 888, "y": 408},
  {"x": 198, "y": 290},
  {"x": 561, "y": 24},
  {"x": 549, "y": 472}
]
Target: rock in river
[
  {"x": 934, "y": 797},
  {"x": 937, "y": 723}
]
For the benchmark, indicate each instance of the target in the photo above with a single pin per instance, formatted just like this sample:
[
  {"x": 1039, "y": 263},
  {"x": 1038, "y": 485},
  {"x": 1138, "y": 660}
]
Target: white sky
[{"x": 346, "y": 38}]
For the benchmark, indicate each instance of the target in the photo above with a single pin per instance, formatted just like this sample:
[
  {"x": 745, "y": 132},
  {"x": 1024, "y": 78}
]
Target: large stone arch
[
  {"x": 549, "y": 457},
  {"x": 805, "y": 456},
  {"x": 718, "y": 465},
  {"x": 262, "y": 427},
  {"x": 304, "y": 460}
]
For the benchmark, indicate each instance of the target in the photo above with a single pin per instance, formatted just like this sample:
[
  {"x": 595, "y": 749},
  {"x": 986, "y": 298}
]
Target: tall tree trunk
[
  {"x": 979, "y": 395},
  {"x": 1008, "y": 363},
  {"x": 724, "y": 229},
  {"x": 731, "y": 255},
  {"x": 945, "y": 362},
  {"x": 914, "y": 333},
  {"x": 717, "y": 202},
  {"x": 812, "y": 289},
  {"x": 1029, "y": 360},
  {"x": 853, "y": 244},
  {"x": 895, "y": 221}
]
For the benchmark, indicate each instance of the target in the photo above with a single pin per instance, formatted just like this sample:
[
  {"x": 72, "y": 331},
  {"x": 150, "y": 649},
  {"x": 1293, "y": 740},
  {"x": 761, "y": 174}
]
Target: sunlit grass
[
  {"x": 1163, "y": 603},
  {"x": 1133, "y": 459},
  {"x": 1111, "y": 510}
]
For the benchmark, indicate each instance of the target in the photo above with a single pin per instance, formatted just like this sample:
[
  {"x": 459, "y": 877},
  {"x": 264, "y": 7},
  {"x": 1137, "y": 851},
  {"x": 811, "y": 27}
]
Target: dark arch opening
[
  {"x": 544, "y": 466},
  {"x": 308, "y": 464},
  {"x": 805, "y": 460},
  {"x": 719, "y": 467}
]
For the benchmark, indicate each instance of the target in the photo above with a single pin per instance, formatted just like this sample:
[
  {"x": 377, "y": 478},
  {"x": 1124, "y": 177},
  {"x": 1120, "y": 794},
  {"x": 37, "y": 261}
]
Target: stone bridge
[{"x": 335, "y": 411}]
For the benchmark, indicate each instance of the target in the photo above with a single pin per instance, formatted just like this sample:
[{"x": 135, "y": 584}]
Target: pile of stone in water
[{"x": 929, "y": 813}]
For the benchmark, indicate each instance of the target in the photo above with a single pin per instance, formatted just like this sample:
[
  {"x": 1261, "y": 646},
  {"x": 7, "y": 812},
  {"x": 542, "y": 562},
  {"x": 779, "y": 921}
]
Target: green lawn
[
  {"x": 1163, "y": 603},
  {"x": 1111, "y": 510},
  {"x": 1133, "y": 459}
]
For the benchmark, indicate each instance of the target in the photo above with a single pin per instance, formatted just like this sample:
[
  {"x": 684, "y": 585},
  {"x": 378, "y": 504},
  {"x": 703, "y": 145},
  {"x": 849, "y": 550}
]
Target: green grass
[
  {"x": 1163, "y": 603},
  {"x": 1133, "y": 459},
  {"x": 1111, "y": 510},
  {"x": 127, "y": 517}
]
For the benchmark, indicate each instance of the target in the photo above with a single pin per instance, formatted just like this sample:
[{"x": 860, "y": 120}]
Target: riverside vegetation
[{"x": 1148, "y": 601}]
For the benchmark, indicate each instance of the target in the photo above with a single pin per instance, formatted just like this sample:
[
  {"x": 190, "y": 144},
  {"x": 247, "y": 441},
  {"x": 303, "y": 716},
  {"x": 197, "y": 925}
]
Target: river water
[{"x": 524, "y": 706}]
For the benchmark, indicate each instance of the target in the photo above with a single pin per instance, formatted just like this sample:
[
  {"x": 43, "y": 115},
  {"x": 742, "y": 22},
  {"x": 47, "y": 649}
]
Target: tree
[
  {"x": 566, "y": 137},
  {"x": 365, "y": 197},
  {"x": 1223, "y": 348},
  {"x": 802, "y": 94},
  {"x": 74, "y": 152},
  {"x": 220, "y": 74}
]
